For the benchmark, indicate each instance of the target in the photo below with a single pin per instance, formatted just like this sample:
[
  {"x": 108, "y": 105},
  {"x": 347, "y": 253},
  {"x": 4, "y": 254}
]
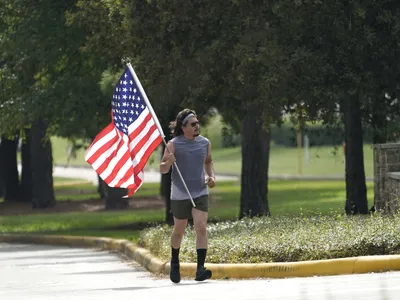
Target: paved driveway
[{"x": 33, "y": 272}]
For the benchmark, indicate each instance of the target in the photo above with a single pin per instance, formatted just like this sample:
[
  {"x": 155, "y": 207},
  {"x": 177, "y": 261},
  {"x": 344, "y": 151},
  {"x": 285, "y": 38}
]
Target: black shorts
[{"x": 182, "y": 209}]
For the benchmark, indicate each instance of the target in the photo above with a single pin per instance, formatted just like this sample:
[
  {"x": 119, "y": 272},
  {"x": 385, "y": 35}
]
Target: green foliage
[
  {"x": 336, "y": 51},
  {"x": 279, "y": 239},
  {"x": 60, "y": 82},
  {"x": 281, "y": 56}
]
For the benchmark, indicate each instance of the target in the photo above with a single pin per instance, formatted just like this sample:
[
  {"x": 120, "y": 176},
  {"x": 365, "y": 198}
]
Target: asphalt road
[{"x": 47, "y": 273}]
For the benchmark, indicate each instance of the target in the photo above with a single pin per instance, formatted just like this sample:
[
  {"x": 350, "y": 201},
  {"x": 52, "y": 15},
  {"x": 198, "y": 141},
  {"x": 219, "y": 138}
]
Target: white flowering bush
[{"x": 283, "y": 239}]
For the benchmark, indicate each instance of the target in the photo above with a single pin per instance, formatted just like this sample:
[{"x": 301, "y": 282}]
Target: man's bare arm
[
  {"x": 168, "y": 158},
  {"x": 209, "y": 168}
]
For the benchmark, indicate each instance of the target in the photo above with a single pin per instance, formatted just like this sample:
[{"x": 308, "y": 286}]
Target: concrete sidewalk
[{"x": 54, "y": 272}]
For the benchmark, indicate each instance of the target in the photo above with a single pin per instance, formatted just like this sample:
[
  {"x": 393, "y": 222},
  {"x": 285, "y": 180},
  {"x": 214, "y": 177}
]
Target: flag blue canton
[{"x": 127, "y": 102}]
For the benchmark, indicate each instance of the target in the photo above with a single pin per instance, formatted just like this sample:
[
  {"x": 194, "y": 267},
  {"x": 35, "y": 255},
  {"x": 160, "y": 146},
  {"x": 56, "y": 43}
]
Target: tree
[
  {"x": 214, "y": 51},
  {"x": 140, "y": 31},
  {"x": 235, "y": 63},
  {"x": 351, "y": 44},
  {"x": 20, "y": 103},
  {"x": 60, "y": 83}
]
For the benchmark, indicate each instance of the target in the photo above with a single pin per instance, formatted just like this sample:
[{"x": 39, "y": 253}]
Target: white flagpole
[{"x": 153, "y": 114}]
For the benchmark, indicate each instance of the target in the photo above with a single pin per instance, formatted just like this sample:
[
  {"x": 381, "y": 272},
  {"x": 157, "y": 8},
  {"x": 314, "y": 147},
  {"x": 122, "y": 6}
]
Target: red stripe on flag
[
  {"x": 110, "y": 127},
  {"x": 128, "y": 174},
  {"x": 140, "y": 127},
  {"x": 144, "y": 140},
  {"x": 153, "y": 146},
  {"x": 99, "y": 152},
  {"x": 108, "y": 160},
  {"x": 121, "y": 162}
]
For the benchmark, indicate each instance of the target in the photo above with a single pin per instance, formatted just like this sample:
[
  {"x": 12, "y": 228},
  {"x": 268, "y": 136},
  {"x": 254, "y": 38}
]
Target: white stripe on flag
[
  {"x": 122, "y": 172},
  {"x": 141, "y": 135},
  {"x": 121, "y": 152},
  {"x": 138, "y": 121},
  {"x": 100, "y": 143},
  {"x": 106, "y": 154},
  {"x": 138, "y": 156}
]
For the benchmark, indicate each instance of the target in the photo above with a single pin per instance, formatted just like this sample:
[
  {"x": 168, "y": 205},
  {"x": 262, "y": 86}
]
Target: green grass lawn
[
  {"x": 60, "y": 153},
  {"x": 307, "y": 222},
  {"x": 286, "y": 198},
  {"x": 283, "y": 161},
  {"x": 62, "y": 184},
  {"x": 326, "y": 160}
]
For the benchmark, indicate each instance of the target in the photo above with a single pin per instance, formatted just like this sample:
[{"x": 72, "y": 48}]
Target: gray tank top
[{"x": 190, "y": 157}]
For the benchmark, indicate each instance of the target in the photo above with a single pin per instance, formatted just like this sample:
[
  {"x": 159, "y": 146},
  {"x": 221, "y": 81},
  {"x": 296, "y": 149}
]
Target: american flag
[{"x": 120, "y": 151}]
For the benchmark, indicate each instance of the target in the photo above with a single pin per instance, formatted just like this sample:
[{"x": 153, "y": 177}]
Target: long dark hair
[{"x": 176, "y": 126}]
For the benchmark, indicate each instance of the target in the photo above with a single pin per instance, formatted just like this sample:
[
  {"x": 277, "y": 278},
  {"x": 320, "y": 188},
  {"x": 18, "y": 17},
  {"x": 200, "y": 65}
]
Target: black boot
[
  {"x": 175, "y": 274},
  {"x": 203, "y": 274}
]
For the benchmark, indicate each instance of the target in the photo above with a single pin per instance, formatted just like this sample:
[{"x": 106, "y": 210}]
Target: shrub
[{"x": 283, "y": 239}]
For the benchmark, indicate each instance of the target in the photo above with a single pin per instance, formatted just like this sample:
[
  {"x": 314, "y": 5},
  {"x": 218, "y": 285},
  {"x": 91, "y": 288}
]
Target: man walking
[{"x": 192, "y": 154}]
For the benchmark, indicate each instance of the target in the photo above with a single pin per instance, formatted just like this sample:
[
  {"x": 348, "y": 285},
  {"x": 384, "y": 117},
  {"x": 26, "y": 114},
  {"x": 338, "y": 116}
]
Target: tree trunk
[
  {"x": 165, "y": 192},
  {"x": 356, "y": 189},
  {"x": 2, "y": 168},
  {"x": 9, "y": 168},
  {"x": 379, "y": 122},
  {"x": 255, "y": 161},
  {"x": 165, "y": 186},
  {"x": 113, "y": 197},
  {"x": 166, "y": 195},
  {"x": 26, "y": 174},
  {"x": 1, "y": 185},
  {"x": 101, "y": 187},
  {"x": 42, "y": 167}
]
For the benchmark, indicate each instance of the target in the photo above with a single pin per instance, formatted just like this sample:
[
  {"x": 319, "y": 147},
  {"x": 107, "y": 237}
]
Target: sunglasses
[{"x": 193, "y": 124}]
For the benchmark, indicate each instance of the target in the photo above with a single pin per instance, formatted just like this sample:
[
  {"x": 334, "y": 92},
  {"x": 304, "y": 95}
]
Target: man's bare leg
[
  {"x": 178, "y": 232},
  {"x": 200, "y": 226},
  {"x": 176, "y": 239}
]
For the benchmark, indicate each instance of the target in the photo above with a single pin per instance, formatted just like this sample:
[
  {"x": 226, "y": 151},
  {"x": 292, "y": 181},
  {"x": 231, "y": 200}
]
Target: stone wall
[
  {"x": 386, "y": 177},
  {"x": 392, "y": 193}
]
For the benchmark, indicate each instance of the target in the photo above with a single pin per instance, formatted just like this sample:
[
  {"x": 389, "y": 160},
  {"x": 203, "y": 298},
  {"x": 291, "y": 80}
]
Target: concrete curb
[{"x": 341, "y": 266}]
